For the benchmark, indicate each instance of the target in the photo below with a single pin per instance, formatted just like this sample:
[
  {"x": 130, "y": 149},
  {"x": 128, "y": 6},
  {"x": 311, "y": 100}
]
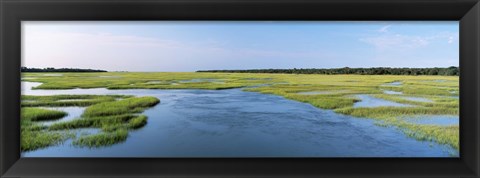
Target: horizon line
[{"x": 206, "y": 70}]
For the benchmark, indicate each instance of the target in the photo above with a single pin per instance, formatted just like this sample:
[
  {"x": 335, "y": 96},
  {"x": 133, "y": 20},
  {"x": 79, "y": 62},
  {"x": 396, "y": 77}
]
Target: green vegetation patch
[
  {"x": 39, "y": 114},
  {"x": 91, "y": 122},
  {"x": 33, "y": 135},
  {"x": 68, "y": 100},
  {"x": 389, "y": 116},
  {"x": 102, "y": 139},
  {"x": 441, "y": 134},
  {"x": 130, "y": 105},
  {"x": 32, "y": 140},
  {"x": 113, "y": 116},
  {"x": 137, "y": 122},
  {"x": 387, "y": 112}
]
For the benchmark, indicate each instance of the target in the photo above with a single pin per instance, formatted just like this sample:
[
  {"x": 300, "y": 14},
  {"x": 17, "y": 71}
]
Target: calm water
[
  {"x": 391, "y": 92},
  {"x": 233, "y": 123},
  {"x": 73, "y": 113},
  {"x": 370, "y": 101},
  {"x": 444, "y": 120}
]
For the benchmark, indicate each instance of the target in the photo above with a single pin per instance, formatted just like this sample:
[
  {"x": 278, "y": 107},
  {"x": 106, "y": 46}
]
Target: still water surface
[{"x": 234, "y": 123}]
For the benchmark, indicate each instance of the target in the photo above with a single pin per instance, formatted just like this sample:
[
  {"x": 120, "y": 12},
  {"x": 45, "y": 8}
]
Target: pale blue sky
[{"x": 202, "y": 45}]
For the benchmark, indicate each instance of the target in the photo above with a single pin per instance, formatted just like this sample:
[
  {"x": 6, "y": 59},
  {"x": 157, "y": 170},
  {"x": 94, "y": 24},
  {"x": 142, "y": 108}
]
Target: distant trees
[
  {"x": 451, "y": 71},
  {"x": 51, "y": 69}
]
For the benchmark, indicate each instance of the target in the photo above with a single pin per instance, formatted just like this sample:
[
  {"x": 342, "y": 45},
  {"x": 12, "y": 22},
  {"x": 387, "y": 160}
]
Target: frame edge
[
  {"x": 469, "y": 52},
  {"x": 474, "y": 165}
]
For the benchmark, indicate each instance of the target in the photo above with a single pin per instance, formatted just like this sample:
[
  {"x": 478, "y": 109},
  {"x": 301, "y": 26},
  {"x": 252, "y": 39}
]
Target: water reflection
[{"x": 370, "y": 101}]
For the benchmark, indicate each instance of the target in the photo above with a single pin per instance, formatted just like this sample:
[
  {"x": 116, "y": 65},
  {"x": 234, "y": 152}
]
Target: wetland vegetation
[
  {"x": 113, "y": 114},
  {"x": 116, "y": 115}
]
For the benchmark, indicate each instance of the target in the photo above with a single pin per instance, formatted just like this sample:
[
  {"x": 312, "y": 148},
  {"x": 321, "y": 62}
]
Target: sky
[{"x": 182, "y": 46}]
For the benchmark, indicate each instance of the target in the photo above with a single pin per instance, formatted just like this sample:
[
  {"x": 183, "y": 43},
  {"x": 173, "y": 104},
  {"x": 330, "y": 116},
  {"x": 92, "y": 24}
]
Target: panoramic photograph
[{"x": 240, "y": 89}]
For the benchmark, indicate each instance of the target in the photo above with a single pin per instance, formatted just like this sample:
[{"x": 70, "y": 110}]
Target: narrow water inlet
[
  {"x": 391, "y": 92},
  {"x": 156, "y": 82},
  {"x": 73, "y": 113},
  {"x": 369, "y": 101}
]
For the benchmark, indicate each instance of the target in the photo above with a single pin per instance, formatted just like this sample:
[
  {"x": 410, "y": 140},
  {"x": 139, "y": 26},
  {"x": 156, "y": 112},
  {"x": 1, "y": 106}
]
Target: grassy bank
[
  {"x": 38, "y": 114},
  {"x": 130, "y": 105},
  {"x": 32, "y": 140},
  {"x": 102, "y": 139},
  {"x": 67, "y": 100},
  {"x": 32, "y": 134},
  {"x": 114, "y": 117}
]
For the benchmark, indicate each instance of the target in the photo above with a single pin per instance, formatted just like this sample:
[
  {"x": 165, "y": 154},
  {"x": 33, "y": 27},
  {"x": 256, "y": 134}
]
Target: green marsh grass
[
  {"x": 39, "y": 114},
  {"x": 67, "y": 100},
  {"x": 137, "y": 122},
  {"x": 448, "y": 135},
  {"x": 32, "y": 140},
  {"x": 115, "y": 117},
  {"x": 33, "y": 135},
  {"x": 102, "y": 139},
  {"x": 89, "y": 122},
  {"x": 129, "y": 105},
  {"x": 390, "y": 116}
]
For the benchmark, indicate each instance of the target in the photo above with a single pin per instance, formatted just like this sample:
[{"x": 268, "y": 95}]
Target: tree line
[
  {"x": 450, "y": 71},
  {"x": 51, "y": 69}
]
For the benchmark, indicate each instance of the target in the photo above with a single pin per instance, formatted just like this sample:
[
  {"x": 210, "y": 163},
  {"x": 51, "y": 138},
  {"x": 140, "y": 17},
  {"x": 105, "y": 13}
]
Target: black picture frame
[{"x": 12, "y": 12}]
